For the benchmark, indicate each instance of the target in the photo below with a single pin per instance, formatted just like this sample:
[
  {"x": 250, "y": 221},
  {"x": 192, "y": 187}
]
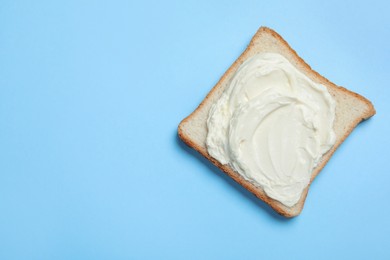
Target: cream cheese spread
[{"x": 272, "y": 124}]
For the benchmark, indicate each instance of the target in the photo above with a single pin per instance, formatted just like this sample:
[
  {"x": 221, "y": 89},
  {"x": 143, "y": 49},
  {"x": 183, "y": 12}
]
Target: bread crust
[{"x": 265, "y": 40}]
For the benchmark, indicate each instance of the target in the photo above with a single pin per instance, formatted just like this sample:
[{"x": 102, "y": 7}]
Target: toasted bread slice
[{"x": 351, "y": 109}]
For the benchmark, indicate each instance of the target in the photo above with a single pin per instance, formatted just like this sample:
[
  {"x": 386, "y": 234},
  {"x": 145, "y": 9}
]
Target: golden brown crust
[
  {"x": 370, "y": 112},
  {"x": 257, "y": 191}
]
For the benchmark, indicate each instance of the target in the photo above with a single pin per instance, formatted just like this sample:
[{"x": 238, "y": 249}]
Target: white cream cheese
[{"x": 272, "y": 124}]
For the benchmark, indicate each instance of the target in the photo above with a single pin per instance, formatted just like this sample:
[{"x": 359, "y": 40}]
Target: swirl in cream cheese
[{"x": 272, "y": 124}]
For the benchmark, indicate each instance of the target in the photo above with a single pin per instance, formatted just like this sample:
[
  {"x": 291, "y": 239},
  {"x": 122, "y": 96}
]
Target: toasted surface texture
[{"x": 351, "y": 109}]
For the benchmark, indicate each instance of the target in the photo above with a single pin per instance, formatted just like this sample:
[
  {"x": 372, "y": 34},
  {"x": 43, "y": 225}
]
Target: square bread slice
[{"x": 351, "y": 109}]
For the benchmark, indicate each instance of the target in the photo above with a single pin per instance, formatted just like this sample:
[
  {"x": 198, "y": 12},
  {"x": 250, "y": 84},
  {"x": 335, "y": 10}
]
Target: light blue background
[{"x": 91, "y": 93}]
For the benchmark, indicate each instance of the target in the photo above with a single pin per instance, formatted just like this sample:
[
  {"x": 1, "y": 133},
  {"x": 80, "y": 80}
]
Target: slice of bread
[{"x": 351, "y": 109}]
